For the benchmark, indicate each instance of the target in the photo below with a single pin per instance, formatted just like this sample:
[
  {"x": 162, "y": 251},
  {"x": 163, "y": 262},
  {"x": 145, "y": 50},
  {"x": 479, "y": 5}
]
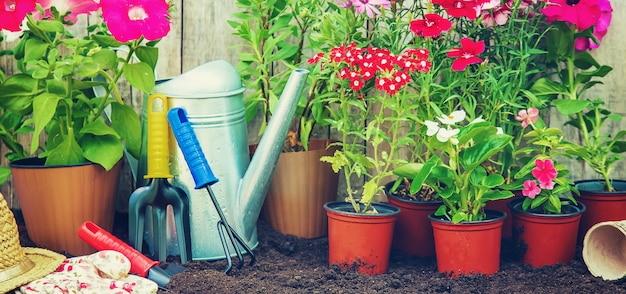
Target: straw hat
[{"x": 18, "y": 265}]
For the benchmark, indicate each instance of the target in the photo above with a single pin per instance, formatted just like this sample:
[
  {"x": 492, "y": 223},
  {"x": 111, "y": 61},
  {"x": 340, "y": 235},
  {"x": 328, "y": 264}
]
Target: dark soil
[{"x": 286, "y": 264}]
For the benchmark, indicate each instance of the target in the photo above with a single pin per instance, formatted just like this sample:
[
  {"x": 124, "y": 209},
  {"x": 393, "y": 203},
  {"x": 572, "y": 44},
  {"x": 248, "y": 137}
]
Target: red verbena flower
[
  {"x": 580, "y": 13},
  {"x": 545, "y": 173},
  {"x": 13, "y": 12},
  {"x": 129, "y": 20},
  {"x": 431, "y": 26},
  {"x": 460, "y": 8},
  {"x": 531, "y": 190},
  {"x": 466, "y": 54}
]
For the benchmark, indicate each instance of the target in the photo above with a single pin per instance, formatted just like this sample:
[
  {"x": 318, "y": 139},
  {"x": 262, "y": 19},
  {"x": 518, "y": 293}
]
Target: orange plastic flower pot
[
  {"x": 545, "y": 239},
  {"x": 413, "y": 233},
  {"x": 601, "y": 205},
  {"x": 468, "y": 247},
  {"x": 358, "y": 239}
]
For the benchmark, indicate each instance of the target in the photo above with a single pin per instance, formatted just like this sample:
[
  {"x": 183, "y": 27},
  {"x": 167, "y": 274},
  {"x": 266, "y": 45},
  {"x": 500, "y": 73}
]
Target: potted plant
[
  {"x": 275, "y": 35},
  {"x": 546, "y": 218},
  {"x": 51, "y": 95},
  {"x": 456, "y": 172},
  {"x": 575, "y": 71}
]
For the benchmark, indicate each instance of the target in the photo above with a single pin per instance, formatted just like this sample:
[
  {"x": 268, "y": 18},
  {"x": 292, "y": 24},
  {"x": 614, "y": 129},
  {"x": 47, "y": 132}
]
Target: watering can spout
[{"x": 255, "y": 182}]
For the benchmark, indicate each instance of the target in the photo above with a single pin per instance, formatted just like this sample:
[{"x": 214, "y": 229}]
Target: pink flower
[
  {"x": 129, "y": 20},
  {"x": 601, "y": 28},
  {"x": 466, "y": 54},
  {"x": 530, "y": 189},
  {"x": 75, "y": 7},
  {"x": 369, "y": 6},
  {"x": 13, "y": 12},
  {"x": 545, "y": 173},
  {"x": 527, "y": 117},
  {"x": 498, "y": 14},
  {"x": 580, "y": 13},
  {"x": 431, "y": 26}
]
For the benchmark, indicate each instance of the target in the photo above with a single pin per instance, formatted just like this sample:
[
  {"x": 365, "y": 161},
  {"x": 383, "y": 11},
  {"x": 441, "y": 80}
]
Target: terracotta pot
[
  {"x": 468, "y": 247},
  {"x": 300, "y": 186},
  {"x": 358, "y": 239},
  {"x": 57, "y": 200},
  {"x": 601, "y": 205},
  {"x": 545, "y": 239},
  {"x": 413, "y": 233},
  {"x": 501, "y": 205}
]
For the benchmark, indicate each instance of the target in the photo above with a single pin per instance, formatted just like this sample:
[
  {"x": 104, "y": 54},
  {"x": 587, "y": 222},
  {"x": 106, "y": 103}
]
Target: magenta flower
[
  {"x": 527, "y": 117},
  {"x": 601, "y": 28},
  {"x": 545, "y": 173},
  {"x": 129, "y": 20},
  {"x": 369, "y": 6},
  {"x": 466, "y": 54},
  {"x": 530, "y": 189},
  {"x": 13, "y": 12},
  {"x": 431, "y": 26},
  {"x": 75, "y": 7},
  {"x": 580, "y": 13}
]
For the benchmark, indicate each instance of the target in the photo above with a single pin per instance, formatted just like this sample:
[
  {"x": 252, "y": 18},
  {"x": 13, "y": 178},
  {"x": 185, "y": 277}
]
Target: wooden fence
[{"x": 200, "y": 34}]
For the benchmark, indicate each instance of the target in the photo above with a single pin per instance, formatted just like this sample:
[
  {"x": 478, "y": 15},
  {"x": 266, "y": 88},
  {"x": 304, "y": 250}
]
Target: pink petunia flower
[
  {"x": 128, "y": 20},
  {"x": 13, "y": 12},
  {"x": 527, "y": 117},
  {"x": 531, "y": 190},
  {"x": 580, "y": 13},
  {"x": 431, "y": 26},
  {"x": 600, "y": 29},
  {"x": 545, "y": 173},
  {"x": 466, "y": 54},
  {"x": 75, "y": 7},
  {"x": 369, "y": 6}
]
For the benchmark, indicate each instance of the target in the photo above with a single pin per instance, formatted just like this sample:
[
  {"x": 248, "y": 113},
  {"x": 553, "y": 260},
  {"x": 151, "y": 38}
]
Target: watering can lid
[{"x": 212, "y": 79}]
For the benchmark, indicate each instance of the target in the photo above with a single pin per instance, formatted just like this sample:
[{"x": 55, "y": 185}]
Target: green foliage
[
  {"x": 52, "y": 95},
  {"x": 574, "y": 73}
]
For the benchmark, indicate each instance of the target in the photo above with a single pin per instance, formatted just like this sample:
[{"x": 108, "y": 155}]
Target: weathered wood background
[{"x": 200, "y": 34}]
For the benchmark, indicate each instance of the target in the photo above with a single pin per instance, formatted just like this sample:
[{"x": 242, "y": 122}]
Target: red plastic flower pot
[
  {"x": 413, "y": 233},
  {"x": 358, "y": 239},
  {"x": 545, "y": 239},
  {"x": 468, "y": 247},
  {"x": 601, "y": 205}
]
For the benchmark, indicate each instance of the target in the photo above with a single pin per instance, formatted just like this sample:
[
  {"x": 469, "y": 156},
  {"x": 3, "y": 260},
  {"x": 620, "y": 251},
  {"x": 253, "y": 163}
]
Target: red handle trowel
[{"x": 141, "y": 265}]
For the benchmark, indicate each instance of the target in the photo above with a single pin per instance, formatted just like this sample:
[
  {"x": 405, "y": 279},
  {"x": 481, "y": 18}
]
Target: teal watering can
[{"x": 212, "y": 96}]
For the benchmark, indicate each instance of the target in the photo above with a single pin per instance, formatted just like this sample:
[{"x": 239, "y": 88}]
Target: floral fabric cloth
[{"x": 102, "y": 272}]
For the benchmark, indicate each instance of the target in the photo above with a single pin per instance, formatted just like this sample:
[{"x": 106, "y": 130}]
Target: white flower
[
  {"x": 452, "y": 118},
  {"x": 433, "y": 127},
  {"x": 445, "y": 135},
  {"x": 499, "y": 131}
]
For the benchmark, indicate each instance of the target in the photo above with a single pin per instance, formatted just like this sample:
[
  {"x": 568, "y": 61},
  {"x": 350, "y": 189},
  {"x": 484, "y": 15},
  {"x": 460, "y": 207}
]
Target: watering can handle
[{"x": 188, "y": 143}]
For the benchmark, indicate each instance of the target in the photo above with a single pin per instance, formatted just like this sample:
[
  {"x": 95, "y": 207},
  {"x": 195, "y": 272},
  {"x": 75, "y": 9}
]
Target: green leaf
[
  {"x": 5, "y": 173},
  {"x": 17, "y": 93},
  {"x": 67, "y": 152},
  {"x": 44, "y": 108},
  {"x": 477, "y": 154},
  {"x": 51, "y": 26},
  {"x": 493, "y": 180},
  {"x": 35, "y": 49},
  {"x": 104, "y": 150},
  {"x": 568, "y": 107},
  {"x": 370, "y": 188},
  {"x": 544, "y": 86},
  {"x": 98, "y": 128},
  {"x": 496, "y": 195},
  {"x": 106, "y": 59},
  {"x": 140, "y": 75},
  {"x": 106, "y": 41},
  {"x": 125, "y": 122},
  {"x": 149, "y": 55}
]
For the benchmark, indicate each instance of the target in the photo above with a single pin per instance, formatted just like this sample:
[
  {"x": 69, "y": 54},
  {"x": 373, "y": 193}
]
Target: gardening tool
[
  {"x": 204, "y": 178},
  {"x": 212, "y": 95},
  {"x": 140, "y": 265},
  {"x": 153, "y": 200}
]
